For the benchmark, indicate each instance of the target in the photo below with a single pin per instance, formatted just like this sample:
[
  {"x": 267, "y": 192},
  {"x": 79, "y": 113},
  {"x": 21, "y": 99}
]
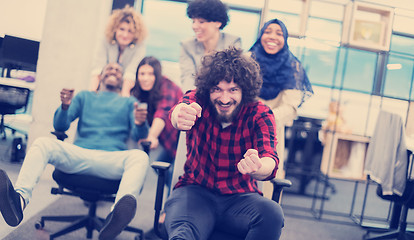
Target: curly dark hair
[
  {"x": 230, "y": 65},
  {"x": 154, "y": 95},
  {"x": 210, "y": 10}
]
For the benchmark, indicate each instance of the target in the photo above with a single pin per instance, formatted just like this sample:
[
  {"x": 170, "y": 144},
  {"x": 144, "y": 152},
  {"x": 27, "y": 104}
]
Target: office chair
[
  {"x": 305, "y": 154},
  {"x": 11, "y": 99},
  {"x": 404, "y": 202},
  {"x": 162, "y": 168},
  {"x": 91, "y": 190}
]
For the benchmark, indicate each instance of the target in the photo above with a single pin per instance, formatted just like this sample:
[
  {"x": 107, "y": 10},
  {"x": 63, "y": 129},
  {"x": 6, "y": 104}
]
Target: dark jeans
[{"x": 192, "y": 212}]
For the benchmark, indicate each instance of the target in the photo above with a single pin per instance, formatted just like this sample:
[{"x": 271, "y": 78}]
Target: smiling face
[
  {"x": 226, "y": 98},
  {"x": 205, "y": 30},
  {"x": 272, "y": 39},
  {"x": 124, "y": 35},
  {"x": 146, "y": 77},
  {"x": 111, "y": 77}
]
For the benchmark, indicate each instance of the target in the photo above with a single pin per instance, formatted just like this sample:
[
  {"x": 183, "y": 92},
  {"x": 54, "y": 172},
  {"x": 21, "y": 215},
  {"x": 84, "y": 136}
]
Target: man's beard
[
  {"x": 112, "y": 87},
  {"x": 225, "y": 118}
]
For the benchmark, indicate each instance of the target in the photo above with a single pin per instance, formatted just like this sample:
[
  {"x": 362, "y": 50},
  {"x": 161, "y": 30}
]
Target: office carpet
[
  {"x": 296, "y": 228},
  {"x": 300, "y": 224}
]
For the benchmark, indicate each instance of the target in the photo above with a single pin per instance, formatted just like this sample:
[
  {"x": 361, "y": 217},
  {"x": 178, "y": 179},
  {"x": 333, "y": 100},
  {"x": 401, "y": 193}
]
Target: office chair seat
[{"x": 87, "y": 187}]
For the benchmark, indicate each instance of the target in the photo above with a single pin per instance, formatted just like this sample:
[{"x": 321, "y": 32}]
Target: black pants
[{"x": 192, "y": 212}]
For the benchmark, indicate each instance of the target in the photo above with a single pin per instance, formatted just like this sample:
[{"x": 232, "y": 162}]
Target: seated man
[
  {"x": 106, "y": 120},
  {"x": 230, "y": 145}
]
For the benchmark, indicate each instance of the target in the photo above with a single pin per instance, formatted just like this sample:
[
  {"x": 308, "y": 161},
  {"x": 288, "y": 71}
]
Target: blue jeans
[{"x": 192, "y": 212}]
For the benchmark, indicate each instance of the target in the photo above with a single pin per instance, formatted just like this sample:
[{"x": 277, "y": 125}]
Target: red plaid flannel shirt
[{"x": 213, "y": 151}]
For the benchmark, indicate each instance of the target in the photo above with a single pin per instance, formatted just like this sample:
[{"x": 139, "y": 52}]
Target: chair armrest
[
  {"x": 281, "y": 182},
  {"x": 146, "y": 146},
  {"x": 60, "y": 135},
  {"x": 161, "y": 169},
  {"x": 278, "y": 185},
  {"x": 158, "y": 165}
]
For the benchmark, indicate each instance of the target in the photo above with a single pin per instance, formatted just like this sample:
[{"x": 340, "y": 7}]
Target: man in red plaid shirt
[{"x": 231, "y": 144}]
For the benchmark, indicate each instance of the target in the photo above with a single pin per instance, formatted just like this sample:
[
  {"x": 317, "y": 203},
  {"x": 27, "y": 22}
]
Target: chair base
[
  {"x": 91, "y": 222},
  {"x": 397, "y": 234}
]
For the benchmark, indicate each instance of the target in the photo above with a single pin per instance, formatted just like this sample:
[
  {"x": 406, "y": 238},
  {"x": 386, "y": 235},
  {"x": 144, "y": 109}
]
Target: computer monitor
[{"x": 18, "y": 53}]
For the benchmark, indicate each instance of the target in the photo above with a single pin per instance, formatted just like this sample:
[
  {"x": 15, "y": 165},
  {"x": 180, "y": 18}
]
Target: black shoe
[
  {"x": 119, "y": 218},
  {"x": 10, "y": 205}
]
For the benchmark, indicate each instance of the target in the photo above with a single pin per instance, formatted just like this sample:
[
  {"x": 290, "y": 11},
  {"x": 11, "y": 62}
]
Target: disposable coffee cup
[{"x": 143, "y": 105}]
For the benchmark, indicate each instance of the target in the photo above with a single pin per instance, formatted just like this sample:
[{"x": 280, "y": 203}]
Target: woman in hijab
[{"x": 285, "y": 83}]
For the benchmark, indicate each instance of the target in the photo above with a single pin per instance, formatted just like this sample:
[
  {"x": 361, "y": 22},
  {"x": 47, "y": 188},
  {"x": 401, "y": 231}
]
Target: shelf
[
  {"x": 367, "y": 26},
  {"x": 344, "y": 156}
]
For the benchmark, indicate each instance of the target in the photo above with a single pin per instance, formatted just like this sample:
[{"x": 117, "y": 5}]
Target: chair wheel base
[{"x": 39, "y": 225}]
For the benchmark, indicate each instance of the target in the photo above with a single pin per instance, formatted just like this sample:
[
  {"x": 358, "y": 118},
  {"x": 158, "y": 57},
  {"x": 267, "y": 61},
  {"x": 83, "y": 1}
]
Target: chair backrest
[{"x": 13, "y": 98}]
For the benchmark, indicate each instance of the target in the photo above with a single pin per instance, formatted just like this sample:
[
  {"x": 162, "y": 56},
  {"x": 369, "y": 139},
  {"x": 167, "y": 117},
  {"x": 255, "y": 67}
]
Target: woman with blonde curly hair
[{"x": 124, "y": 43}]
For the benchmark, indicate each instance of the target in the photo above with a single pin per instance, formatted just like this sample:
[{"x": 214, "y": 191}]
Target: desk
[{"x": 17, "y": 83}]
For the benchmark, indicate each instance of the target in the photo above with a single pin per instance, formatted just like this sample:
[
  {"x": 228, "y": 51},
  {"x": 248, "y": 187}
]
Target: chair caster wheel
[{"x": 39, "y": 225}]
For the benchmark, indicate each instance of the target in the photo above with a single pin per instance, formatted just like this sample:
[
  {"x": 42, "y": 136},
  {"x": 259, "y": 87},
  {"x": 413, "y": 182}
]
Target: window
[
  {"x": 402, "y": 44},
  {"x": 398, "y": 77},
  {"x": 292, "y": 13},
  {"x": 324, "y": 29},
  {"x": 399, "y": 68},
  {"x": 360, "y": 69},
  {"x": 327, "y": 10},
  {"x": 403, "y": 21},
  {"x": 245, "y": 25},
  {"x": 166, "y": 28},
  {"x": 319, "y": 62}
]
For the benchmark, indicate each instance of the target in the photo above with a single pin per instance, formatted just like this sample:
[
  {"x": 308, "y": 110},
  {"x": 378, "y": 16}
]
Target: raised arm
[
  {"x": 258, "y": 168},
  {"x": 68, "y": 111},
  {"x": 184, "y": 115}
]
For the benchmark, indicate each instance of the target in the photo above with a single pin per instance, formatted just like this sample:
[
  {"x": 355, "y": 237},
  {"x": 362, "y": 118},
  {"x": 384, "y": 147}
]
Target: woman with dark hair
[
  {"x": 209, "y": 17},
  {"x": 285, "y": 83},
  {"x": 156, "y": 95},
  {"x": 124, "y": 44}
]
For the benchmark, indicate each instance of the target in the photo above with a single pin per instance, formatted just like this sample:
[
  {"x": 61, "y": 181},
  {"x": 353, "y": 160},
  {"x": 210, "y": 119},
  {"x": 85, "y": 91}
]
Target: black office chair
[
  {"x": 402, "y": 203},
  {"x": 91, "y": 190},
  {"x": 304, "y": 154},
  {"x": 162, "y": 168},
  {"x": 11, "y": 99}
]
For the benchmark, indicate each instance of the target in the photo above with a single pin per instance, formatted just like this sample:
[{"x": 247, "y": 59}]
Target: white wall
[
  {"x": 70, "y": 32},
  {"x": 22, "y": 18}
]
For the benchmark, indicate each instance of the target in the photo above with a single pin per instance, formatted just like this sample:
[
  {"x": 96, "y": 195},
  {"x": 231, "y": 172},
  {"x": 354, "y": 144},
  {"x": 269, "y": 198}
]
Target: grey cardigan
[
  {"x": 108, "y": 53},
  {"x": 191, "y": 53},
  {"x": 386, "y": 160}
]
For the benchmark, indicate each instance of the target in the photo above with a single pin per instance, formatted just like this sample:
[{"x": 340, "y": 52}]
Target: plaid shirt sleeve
[
  {"x": 169, "y": 136},
  {"x": 265, "y": 139},
  {"x": 171, "y": 94}
]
